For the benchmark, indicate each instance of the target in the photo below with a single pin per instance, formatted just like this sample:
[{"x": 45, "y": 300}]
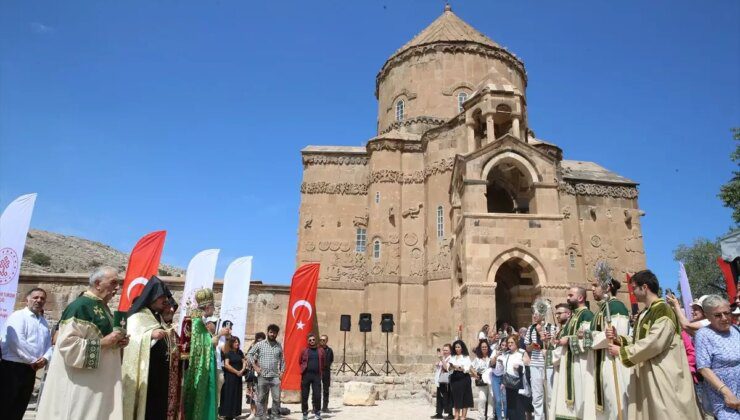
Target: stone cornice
[
  {"x": 340, "y": 188},
  {"x": 599, "y": 190},
  {"x": 414, "y": 120},
  {"x": 334, "y": 160},
  {"x": 394, "y": 145},
  {"x": 451, "y": 48}
]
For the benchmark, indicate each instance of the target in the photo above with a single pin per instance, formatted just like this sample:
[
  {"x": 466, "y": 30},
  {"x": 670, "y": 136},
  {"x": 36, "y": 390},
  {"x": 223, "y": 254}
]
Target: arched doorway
[{"x": 516, "y": 282}]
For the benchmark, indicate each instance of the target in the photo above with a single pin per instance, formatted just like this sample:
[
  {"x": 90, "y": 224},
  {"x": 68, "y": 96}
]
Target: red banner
[
  {"x": 724, "y": 266},
  {"x": 142, "y": 265},
  {"x": 633, "y": 298},
  {"x": 299, "y": 322}
]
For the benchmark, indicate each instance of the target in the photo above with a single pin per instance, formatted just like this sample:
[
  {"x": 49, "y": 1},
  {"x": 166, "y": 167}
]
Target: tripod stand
[
  {"x": 344, "y": 367},
  {"x": 365, "y": 367},
  {"x": 388, "y": 366}
]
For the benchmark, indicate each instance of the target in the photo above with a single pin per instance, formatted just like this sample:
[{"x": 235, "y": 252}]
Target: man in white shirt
[{"x": 26, "y": 348}]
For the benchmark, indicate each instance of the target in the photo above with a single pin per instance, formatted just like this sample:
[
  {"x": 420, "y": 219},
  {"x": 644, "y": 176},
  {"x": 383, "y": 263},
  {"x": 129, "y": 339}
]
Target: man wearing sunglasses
[{"x": 313, "y": 360}]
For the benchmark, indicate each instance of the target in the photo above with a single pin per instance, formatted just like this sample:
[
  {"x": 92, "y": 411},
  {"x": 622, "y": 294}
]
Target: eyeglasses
[{"x": 720, "y": 315}]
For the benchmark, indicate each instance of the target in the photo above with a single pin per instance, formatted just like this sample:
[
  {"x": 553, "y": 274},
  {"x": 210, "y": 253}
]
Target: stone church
[{"x": 455, "y": 214}]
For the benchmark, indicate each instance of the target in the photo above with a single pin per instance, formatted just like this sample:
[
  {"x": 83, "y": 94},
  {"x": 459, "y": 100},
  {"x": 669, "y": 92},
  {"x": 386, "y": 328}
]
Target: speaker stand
[
  {"x": 388, "y": 366},
  {"x": 344, "y": 367},
  {"x": 365, "y": 369}
]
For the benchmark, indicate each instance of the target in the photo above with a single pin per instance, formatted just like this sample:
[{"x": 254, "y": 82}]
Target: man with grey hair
[{"x": 84, "y": 378}]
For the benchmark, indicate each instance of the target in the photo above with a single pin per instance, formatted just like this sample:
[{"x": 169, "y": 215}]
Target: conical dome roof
[{"x": 447, "y": 28}]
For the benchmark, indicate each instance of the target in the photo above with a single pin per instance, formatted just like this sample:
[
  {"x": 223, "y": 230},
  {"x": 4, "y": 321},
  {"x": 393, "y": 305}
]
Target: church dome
[{"x": 426, "y": 79}]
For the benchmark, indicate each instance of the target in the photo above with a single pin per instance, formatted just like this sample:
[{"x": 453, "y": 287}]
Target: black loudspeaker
[
  {"x": 366, "y": 322},
  {"x": 386, "y": 323},
  {"x": 345, "y": 323}
]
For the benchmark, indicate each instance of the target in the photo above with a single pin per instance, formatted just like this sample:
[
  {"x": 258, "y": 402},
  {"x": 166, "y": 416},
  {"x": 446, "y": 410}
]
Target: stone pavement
[{"x": 406, "y": 409}]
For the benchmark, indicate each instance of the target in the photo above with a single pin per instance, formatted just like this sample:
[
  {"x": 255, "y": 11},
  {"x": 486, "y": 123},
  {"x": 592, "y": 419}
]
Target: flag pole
[{"x": 614, "y": 363}]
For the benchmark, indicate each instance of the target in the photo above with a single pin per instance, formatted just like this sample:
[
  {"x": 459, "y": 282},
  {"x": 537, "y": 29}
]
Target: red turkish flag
[
  {"x": 142, "y": 265},
  {"x": 726, "y": 269},
  {"x": 633, "y": 298},
  {"x": 301, "y": 313}
]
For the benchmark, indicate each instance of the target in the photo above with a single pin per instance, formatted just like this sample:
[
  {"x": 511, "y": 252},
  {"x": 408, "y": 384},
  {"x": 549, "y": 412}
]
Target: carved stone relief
[
  {"x": 310, "y": 246},
  {"x": 324, "y": 245},
  {"x": 566, "y": 212},
  {"x": 360, "y": 221},
  {"x": 307, "y": 222},
  {"x": 410, "y": 239},
  {"x": 601, "y": 190},
  {"x": 334, "y": 160},
  {"x": 596, "y": 241},
  {"x": 342, "y": 188},
  {"x": 412, "y": 212}
]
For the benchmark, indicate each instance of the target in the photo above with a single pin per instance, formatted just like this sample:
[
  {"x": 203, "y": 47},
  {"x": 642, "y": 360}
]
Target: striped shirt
[{"x": 537, "y": 359}]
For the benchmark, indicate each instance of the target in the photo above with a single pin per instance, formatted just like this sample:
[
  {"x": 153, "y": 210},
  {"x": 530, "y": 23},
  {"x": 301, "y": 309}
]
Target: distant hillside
[{"x": 48, "y": 252}]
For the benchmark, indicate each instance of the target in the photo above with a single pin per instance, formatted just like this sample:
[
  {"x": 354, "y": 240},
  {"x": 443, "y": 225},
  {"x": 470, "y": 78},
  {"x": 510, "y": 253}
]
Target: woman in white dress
[{"x": 483, "y": 370}]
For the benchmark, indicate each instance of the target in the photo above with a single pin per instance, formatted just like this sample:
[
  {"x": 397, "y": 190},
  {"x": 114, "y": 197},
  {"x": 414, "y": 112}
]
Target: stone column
[
  {"x": 470, "y": 125},
  {"x": 489, "y": 128},
  {"x": 515, "y": 128}
]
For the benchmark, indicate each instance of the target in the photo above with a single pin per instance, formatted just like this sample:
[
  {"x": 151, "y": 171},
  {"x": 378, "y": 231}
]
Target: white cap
[{"x": 699, "y": 302}]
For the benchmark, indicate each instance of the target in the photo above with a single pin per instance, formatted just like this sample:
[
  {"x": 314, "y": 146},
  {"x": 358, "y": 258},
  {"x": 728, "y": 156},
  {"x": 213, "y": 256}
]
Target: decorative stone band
[
  {"x": 417, "y": 177},
  {"x": 451, "y": 48},
  {"x": 601, "y": 190},
  {"x": 92, "y": 354},
  {"x": 334, "y": 160},
  {"x": 415, "y": 120},
  {"x": 382, "y": 176},
  {"x": 341, "y": 188}
]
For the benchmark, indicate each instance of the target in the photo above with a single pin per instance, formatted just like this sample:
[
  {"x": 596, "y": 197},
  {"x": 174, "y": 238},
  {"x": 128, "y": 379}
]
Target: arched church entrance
[{"x": 516, "y": 282}]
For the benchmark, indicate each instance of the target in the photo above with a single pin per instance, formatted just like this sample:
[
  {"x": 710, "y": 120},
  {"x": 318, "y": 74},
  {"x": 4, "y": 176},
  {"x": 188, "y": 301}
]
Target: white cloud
[{"x": 40, "y": 28}]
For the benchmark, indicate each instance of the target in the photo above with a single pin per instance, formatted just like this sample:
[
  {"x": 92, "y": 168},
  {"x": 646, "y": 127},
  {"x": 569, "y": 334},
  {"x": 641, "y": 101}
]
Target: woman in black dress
[
  {"x": 231, "y": 392},
  {"x": 461, "y": 388}
]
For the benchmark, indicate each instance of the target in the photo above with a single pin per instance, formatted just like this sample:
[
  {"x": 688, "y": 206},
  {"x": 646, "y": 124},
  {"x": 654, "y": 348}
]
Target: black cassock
[{"x": 158, "y": 382}]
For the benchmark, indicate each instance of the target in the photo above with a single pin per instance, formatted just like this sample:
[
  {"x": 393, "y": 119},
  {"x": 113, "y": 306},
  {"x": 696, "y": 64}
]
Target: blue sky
[{"x": 128, "y": 117}]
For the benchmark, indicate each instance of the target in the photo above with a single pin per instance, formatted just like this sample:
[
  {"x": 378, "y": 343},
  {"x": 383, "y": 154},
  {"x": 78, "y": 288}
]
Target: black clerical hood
[{"x": 153, "y": 290}]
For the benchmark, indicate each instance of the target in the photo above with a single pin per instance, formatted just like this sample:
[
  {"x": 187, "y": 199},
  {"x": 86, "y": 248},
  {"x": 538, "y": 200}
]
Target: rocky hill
[{"x": 49, "y": 252}]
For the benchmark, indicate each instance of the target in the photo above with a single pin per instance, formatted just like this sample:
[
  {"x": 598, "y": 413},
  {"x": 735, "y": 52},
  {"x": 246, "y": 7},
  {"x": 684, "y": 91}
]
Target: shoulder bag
[{"x": 510, "y": 381}]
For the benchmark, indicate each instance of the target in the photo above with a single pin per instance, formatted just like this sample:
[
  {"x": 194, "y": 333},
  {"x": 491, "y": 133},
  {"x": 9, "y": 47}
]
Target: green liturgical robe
[
  {"x": 661, "y": 383},
  {"x": 568, "y": 390},
  {"x": 600, "y": 397},
  {"x": 84, "y": 380},
  {"x": 200, "y": 377}
]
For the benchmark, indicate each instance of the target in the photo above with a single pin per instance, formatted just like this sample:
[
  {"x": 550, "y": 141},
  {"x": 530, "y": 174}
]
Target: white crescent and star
[
  {"x": 139, "y": 280},
  {"x": 298, "y": 304}
]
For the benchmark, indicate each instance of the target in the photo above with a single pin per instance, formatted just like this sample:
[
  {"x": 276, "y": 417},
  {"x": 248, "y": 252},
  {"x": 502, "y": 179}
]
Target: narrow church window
[
  {"x": 377, "y": 197},
  {"x": 440, "y": 222},
  {"x": 399, "y": 110},
  {"x": 361, "y": 240},
  {"x": 376, "y": 249},
  {"x": 461, "y": 98},
  {"x": 572, "y": 258}
]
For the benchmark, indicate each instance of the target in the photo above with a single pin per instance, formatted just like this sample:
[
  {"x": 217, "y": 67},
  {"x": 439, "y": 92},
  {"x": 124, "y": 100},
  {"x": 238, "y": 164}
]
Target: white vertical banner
[
  {"x": 201, "y": 270},
  {"x": 236, "y": 295},
  {"x": 14, "y": 224}
]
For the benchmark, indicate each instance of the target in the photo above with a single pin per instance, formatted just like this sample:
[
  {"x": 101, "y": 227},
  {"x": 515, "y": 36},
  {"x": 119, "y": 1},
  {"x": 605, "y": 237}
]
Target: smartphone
[{"x": 669, "y": 292}]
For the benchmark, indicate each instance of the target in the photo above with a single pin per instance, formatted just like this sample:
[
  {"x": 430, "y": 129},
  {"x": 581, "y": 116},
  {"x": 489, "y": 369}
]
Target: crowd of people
[
  {"x": 605, "y": 364},
  {"x": 143, "y": 367}
]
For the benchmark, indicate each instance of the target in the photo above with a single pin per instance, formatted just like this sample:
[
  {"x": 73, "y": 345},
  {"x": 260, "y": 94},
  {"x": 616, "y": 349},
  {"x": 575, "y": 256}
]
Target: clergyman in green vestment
[{"x": 200, "y": 387}]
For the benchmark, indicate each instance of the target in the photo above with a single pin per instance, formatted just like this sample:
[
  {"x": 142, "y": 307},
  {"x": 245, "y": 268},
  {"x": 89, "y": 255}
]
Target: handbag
[
  {"x": 444, "y": 377},
  {"x": 510, "y": 381},
  {"x": 479, "y": 382}
]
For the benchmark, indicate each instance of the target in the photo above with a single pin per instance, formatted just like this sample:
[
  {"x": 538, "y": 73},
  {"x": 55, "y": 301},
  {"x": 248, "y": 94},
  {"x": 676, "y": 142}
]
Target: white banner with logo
[
  {"x": 236, "y": 295},
  {"x": 201, "y": 270},
  {"x": 14, "y": 224}
]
